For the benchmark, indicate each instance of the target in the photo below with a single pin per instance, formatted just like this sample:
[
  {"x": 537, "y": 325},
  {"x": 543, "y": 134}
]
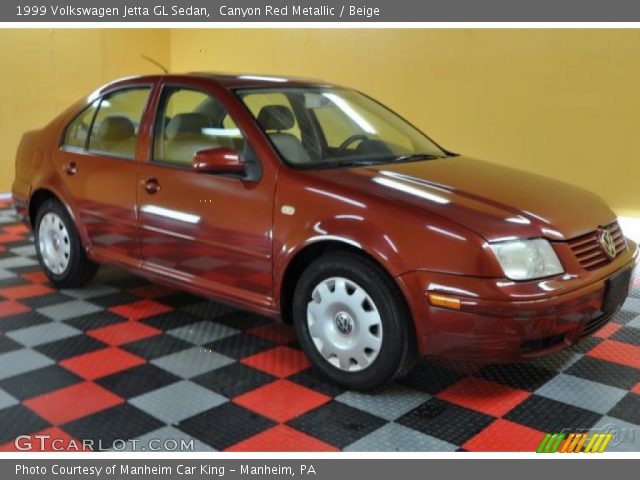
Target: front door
[{"x": 211, "y": 231}]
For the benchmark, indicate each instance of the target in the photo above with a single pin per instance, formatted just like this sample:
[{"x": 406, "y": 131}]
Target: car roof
[
  {"x": 230, "y": 81},
  {"x": 248, "y": 80}
]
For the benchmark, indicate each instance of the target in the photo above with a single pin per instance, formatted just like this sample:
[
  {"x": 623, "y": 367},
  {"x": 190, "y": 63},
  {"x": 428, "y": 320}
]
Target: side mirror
[{"x": 217, "y": 160}]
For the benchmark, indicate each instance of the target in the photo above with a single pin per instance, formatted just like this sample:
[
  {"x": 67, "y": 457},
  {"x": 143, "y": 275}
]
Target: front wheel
[{"x": 352, "y": 321}]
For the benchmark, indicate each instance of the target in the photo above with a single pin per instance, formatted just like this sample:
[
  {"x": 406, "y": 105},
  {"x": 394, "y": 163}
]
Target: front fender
[
  {"x": 400, "y": 238},
  {"x": 361, "y": 235}
]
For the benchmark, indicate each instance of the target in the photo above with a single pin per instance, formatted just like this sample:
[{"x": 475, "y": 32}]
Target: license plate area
[{"x": 616, "y": 290}]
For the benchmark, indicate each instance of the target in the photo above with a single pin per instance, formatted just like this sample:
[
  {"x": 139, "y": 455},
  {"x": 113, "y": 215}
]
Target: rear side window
[
  {"x": 115, "y": 127},
  {"x": 77, "y": 133}
]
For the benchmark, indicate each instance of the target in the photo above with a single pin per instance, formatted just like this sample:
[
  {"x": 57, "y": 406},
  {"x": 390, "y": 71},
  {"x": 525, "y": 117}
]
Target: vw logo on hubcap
[{"x": 344, "y": 323}]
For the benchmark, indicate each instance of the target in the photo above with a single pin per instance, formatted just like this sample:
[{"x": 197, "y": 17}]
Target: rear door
[{"x": 97, "y": 158}]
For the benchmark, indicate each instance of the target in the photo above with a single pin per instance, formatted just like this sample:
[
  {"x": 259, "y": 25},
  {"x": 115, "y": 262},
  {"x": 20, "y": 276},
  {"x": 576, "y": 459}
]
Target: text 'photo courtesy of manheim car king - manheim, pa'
[{"x": 339, "y": 216}]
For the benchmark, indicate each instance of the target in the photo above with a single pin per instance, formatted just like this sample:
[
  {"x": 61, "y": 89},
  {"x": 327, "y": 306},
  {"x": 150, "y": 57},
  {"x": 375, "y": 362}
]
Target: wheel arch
[
  {"x": 36, "y": 200},
  {"x": 39, "y": 196},
  {"x": 310, "y": 252}
]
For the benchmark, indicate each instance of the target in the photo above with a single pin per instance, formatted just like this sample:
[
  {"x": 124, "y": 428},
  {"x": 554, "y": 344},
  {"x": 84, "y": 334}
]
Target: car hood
[{"x": 495, "y": 201}]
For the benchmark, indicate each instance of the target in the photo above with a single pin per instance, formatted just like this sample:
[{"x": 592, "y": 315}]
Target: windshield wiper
[
  {"x": 417, "y": 156},
  {"x": 351, "y": 163},
  {"x": 367, "y": 162}
]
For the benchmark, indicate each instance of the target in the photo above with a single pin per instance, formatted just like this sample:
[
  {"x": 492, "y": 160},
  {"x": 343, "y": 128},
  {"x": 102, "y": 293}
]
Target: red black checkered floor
[{"x": 123, "y": 359}]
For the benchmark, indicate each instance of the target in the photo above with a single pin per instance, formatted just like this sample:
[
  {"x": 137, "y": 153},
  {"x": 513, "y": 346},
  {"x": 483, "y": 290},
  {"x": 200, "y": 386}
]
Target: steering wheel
[{"x": 353, "y": 138}]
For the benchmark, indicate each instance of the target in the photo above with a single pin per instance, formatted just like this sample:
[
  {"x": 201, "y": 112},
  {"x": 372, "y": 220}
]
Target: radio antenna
[{"x": 156, "y": 63}]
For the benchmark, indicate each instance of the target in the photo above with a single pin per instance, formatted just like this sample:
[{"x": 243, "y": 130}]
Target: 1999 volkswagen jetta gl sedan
[{"x": 317, "y": 204}]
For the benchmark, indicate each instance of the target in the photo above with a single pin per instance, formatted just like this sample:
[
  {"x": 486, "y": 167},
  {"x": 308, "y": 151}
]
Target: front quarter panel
[{"x": 308, "y": 210}]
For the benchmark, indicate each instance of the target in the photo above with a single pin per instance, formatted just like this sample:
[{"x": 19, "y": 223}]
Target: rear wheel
[
  {"x": 352, "y": 321},
  {"x": 59, "y": 248}
]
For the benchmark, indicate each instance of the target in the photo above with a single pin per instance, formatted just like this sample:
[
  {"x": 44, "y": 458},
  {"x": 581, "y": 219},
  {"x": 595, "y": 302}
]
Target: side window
[
  {"x": 227, "y": 122},
  {"x": 115, "y": 128},
  {"x": 189, "y": 121},
  {"x": 77, "y": 132},
  {"x": 256, "y": 102}
]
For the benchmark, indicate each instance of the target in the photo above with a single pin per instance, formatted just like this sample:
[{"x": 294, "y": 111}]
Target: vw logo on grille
[{"x": 606, "y": 242}]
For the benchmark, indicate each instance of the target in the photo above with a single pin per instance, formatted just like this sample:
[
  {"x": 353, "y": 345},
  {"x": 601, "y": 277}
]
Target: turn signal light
[{"x": 444, "y": 301}]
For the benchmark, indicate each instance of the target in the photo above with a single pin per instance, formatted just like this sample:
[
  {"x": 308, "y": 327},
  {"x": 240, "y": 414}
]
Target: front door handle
[
  {"x": 151, "y": 185},
  {"x": 71, "y": 168}
]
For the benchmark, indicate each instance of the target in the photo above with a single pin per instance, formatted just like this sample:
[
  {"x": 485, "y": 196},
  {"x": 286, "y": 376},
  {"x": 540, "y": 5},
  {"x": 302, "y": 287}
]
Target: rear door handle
[
  {"x": 71, "y": 168},
  {"x": 151, "y": 185}
]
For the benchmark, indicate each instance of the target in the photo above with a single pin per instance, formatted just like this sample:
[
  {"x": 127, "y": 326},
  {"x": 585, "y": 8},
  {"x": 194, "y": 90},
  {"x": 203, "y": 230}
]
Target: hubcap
[
  {"x": 344, "y": 324},
  {"x": 53, "y": 240}
]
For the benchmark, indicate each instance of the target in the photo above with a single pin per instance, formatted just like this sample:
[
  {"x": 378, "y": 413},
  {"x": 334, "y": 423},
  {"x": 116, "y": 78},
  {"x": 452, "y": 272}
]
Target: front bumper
[{"x": 499, "y": 320}]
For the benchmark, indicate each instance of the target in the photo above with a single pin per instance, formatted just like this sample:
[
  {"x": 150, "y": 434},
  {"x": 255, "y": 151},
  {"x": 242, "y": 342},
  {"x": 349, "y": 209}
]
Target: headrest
[
  {"x": 116, "y": 128},
  {"x": 186, "y": 126},
  {"x": 276, "y": 117}
]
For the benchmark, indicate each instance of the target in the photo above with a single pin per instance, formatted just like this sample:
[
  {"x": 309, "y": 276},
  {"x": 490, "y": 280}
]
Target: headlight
[{"x": 527, "y": 259}]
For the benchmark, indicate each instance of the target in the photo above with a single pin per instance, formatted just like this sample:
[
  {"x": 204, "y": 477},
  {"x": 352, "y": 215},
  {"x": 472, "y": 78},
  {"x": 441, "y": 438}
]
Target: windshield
[{"x": 324, "y": 128}]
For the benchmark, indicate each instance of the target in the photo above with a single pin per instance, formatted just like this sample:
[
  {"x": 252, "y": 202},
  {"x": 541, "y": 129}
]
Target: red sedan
[{"x": 316, "y": 204}]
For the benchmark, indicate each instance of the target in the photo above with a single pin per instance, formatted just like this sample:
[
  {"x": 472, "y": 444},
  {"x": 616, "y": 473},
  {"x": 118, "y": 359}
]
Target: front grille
[{"x": 588, "y": 250}]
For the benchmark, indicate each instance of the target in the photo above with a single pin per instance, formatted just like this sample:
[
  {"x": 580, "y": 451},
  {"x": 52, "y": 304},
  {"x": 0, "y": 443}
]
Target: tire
[
  {"x": 67, "y": 266},
  {"x": 360, "y": 334}
]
